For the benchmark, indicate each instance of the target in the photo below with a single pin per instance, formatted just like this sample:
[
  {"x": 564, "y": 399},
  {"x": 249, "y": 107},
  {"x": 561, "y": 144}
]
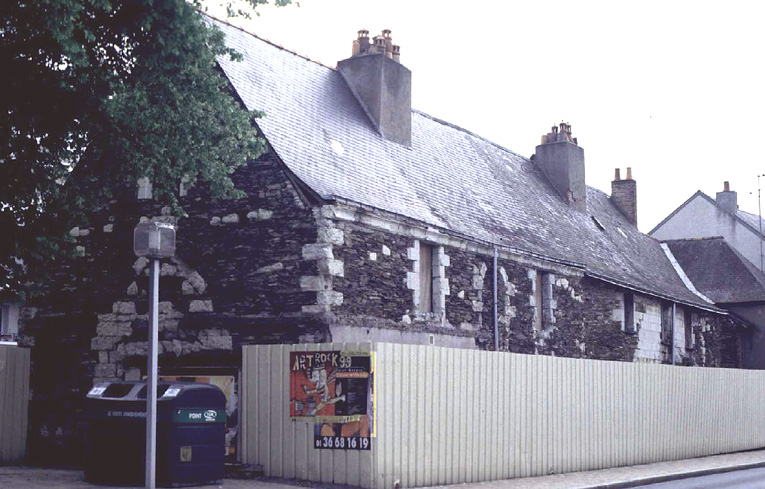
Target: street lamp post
[
  {"x": 759, "y": 221},
  {"x": 153, "y": 240}
]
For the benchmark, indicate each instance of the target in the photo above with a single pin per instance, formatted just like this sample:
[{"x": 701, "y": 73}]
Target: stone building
[
  {"x": 704, "y": 217},
  {"x": 367, "y": 221}
]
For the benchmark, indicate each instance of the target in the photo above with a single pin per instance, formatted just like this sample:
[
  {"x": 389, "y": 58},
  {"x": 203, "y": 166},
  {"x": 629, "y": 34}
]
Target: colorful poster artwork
[{"x": 335, "y": 390}]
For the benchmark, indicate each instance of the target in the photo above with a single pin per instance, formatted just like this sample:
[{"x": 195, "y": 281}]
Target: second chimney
[
  {"x": 624, "y": 195},
  {"x": 381, "y": 84},
  {"x": 727, "y": 199}
]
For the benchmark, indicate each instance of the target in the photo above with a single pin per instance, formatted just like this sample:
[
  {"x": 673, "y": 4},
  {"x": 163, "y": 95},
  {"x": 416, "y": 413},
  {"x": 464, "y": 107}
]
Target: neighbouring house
[
  {"x": 703, "y": 217},
  {"x": 725, "y": 276},
  {"x": 366, "y": 221}
]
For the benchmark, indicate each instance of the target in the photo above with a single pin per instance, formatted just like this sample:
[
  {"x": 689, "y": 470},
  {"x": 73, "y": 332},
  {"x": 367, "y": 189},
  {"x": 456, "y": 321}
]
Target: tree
[{"x": 96, "y": 94}]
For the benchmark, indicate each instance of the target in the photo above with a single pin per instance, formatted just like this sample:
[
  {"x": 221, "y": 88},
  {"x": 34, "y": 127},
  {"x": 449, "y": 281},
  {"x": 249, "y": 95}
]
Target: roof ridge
[
  {"x": 278, "y": 46},
  {"x": 462, "y": 129}
]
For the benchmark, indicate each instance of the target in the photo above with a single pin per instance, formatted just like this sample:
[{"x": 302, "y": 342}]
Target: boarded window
[
  {"x": 538, "y": 301},
  {"x": 666, "y": 323},
  {"x": 426, "y": 278},
  {"x": 690, "y": 341},
  {"x": 629, "y": 312}
]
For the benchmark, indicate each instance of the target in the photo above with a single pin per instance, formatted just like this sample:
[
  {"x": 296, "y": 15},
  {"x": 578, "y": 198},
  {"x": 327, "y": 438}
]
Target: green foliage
[{"x": 96, "y": 94}]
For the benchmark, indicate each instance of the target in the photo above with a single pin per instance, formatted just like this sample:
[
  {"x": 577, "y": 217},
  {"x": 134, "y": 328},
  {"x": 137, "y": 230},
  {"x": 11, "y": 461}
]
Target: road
[{"x": 740, "y": 479}]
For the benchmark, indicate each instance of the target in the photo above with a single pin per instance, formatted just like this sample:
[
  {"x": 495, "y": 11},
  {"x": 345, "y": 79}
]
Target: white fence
[
  {"x": 449, "y": 416},
  {"x": 14, "y": 402}
]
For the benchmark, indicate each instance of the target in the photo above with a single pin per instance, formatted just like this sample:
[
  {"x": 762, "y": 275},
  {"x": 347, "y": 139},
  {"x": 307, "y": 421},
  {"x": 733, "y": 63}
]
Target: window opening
[
  {"x": 688, "y": 324},
  {"x": 426, "y": 278},
  {"x": 629, "y": 312}
]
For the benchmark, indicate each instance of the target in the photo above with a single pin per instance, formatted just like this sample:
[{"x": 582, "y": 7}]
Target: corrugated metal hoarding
[
  {"x": 14, "y": 402},
  {"x": 445, "y": 416}
]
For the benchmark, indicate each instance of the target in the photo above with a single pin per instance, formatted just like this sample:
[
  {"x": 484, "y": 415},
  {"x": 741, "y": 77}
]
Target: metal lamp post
[{"x": 153, "y": 240}]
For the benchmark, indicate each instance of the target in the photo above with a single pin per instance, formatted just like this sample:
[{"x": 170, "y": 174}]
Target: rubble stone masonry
[{"x": 279, "y": 267}]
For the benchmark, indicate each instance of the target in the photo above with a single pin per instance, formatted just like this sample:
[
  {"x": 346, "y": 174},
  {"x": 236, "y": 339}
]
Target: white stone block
[
  {"x": 313, "y": 282},
  {"x": 413, "y": 281},
  {"x": 140, "y": 264},
  {"x": 331, "y": 235},
  {"x": 329, "y": 298},
  {"x": 265, "y": 214},
  {"x": 201, "y": 306},
  {"x": 317, "y": 251},
  {"x": 132, "y": 289},
  {"x": 109, "y": 228},
  {"x": 372, "y": 256},
  {"x": 385, "y": 250},
  {"x": 270, "y": 268},
  {"x": 333, "y": 268},
  {"x": 74, "y": 232},
  {"x": 215, "y": 221},
  {"x": 123, "y": 308},
  {"x": 230, "y": 219},
  {"x": 84, "y": 232}
]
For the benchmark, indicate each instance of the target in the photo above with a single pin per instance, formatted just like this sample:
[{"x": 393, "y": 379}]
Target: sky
[{"x": 672, "y": 89}]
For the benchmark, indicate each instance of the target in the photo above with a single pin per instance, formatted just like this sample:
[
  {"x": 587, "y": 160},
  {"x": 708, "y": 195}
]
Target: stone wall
[
  {"x": 235, "y": 280},
  {"x": 276, "y": 268}
]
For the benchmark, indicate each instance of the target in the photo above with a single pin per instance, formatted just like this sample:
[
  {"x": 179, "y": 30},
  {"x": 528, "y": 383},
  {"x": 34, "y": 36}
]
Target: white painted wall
[{"x": 703, "y": 219}]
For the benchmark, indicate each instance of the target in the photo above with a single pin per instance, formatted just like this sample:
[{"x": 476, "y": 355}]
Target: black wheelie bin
[{"x": 191, "y": 443}]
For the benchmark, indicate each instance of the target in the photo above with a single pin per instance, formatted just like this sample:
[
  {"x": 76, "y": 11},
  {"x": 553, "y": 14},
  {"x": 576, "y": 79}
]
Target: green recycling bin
[{"x": 191, "y": 443}]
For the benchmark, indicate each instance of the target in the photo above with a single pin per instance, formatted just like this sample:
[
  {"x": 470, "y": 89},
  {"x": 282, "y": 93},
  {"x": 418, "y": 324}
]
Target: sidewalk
[{"x": 37, "y": 478}]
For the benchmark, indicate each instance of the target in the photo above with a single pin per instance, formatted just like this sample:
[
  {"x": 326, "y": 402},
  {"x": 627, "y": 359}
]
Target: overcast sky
[{"x": 673, "y": 89}]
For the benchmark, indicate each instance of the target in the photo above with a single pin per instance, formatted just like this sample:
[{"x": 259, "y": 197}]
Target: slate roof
[
  {"x": 750, "y": 221},
  {"x": 449, "y": 178},
  {"x": 718, "y": 271}
]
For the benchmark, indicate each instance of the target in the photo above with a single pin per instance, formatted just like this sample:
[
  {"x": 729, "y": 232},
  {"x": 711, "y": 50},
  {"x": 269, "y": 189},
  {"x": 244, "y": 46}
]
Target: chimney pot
[
  {"x": 629, "y": 173},
  {"x": 617, "y": 175},
  {"x": 726, "y": 187}
]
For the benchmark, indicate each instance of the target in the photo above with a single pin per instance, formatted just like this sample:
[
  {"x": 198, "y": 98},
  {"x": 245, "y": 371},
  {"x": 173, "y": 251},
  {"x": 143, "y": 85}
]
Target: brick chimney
[
  {"x": 624, "y": 195},
  {"x": 562, "y": 161},
  {"x": 727, "y": 199},
  {"x": 381, "y": 84}
]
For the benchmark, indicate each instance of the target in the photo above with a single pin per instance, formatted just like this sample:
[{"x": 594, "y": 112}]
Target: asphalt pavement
[{"x": 736, "y": 470}]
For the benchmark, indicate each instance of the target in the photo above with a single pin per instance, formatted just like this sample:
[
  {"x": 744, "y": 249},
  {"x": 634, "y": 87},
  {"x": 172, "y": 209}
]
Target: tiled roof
[
  {"x": 449, "y": 177},
  {"x": 753, "y": 221},
  {"x": 718, "y": 270}
]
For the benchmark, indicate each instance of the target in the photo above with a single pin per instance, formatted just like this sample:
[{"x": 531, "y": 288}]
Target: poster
[{"x": 335, "y": 390}]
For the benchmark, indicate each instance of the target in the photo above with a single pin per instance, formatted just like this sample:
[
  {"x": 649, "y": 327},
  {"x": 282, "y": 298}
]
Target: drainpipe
[
  {"x": 672, "y": 339},
  {"x": 496, "y": 327}
]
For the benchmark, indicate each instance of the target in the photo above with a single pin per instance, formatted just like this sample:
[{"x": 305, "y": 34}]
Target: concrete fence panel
[
  {"x": 14, "y": 403},
  {"x": 448, "y": 416}
]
